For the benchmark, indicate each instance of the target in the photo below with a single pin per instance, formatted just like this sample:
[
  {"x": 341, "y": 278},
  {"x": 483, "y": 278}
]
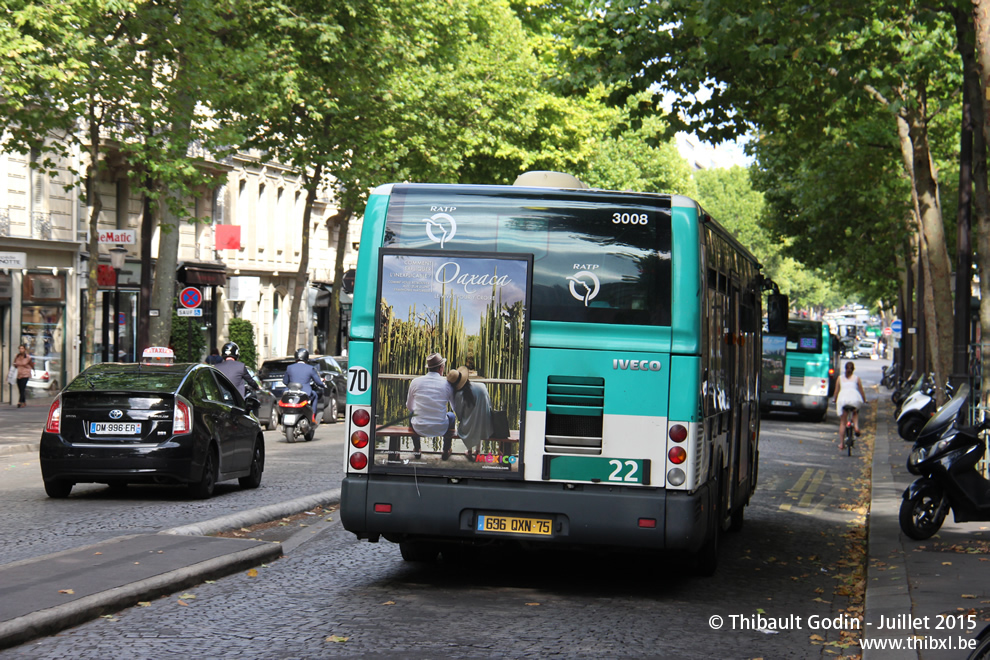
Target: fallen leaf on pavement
[
  {"x": 253, "y": 572},
  {"x": 336, "y": 638},
  {"x": 66, "y": 591},
  {"x": 389, "y": 602},
  {"x": 188, "y": 596}
]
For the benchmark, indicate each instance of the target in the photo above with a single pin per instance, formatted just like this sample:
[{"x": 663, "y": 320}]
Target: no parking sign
[{"x": 190, "y": 297}]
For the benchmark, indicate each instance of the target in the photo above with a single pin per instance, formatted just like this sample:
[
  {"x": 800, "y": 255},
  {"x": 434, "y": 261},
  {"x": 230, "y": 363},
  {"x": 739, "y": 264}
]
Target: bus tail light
[
  {"x": 677, "y": 433},
  {"x": 359, "y": 439},
  {"x": 648, "y": 523},
  {"x": 677, "y": 455},
  {"x": 676, "y": 477},
  {"x": 383, "y": 508},
  {"x": 359, "y": 430},
  {"x": 360, "y": 417}
]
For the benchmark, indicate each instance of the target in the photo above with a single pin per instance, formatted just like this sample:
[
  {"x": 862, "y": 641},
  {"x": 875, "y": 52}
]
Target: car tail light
[
  {"x": 359, "y": 461},
  {"x": 182, "y": 417},
  {"x": 677, "y": 455},
  {"x": 54, "y": 416},
  {"x": 678, "y": 433}
]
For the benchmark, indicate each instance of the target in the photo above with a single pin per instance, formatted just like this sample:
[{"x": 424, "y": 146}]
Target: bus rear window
[
  {"x": 804, "y": 336},
  {"x": 598, "y": 257}
]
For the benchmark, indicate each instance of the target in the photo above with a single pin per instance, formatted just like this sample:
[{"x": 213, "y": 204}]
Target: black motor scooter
[
  {"x": 296, "y": 410},
  {"x": 948, "y": 478}
]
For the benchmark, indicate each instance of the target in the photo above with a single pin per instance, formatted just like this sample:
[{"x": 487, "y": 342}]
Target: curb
[
  {"x": 257, "y": 516},
  {"x": 890, "y": 596},
  {"x": 6, "y": 450}
]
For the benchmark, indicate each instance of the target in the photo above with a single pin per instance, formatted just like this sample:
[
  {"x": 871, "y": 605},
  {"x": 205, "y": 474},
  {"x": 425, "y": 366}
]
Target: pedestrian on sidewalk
[
  {"x": 848, "y": 392},
  {"x": 24, "y": 365}
]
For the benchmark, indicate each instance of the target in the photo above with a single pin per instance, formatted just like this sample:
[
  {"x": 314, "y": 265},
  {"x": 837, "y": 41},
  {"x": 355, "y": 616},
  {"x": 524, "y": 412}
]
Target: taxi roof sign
[{"x": 157, "y": 355}]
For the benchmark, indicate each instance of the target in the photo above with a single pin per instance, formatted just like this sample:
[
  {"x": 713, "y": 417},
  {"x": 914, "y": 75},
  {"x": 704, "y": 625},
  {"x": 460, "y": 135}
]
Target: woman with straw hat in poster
[{"x": 473, "y": 408}]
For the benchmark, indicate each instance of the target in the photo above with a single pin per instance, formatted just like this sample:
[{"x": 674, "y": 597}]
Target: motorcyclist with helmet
[
  {"x": 307, "y": 376},
  {"x": 234, "y": 370}
]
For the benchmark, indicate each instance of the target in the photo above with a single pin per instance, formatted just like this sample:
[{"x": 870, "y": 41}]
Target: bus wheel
[
  {"x": 707, "y": 560},
  {"x": 419, "y": 551},
  {"x": 738, "y": 518}
]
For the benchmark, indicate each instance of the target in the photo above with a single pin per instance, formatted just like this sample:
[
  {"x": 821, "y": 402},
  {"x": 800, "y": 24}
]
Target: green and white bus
[
  {"x": 799, "y": 369},
  {"x": 617, "y": 335}
]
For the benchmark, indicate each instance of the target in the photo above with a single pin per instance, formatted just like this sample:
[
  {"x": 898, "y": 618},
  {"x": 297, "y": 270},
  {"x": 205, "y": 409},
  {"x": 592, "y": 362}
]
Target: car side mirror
[{"x": 252, "y": 404}]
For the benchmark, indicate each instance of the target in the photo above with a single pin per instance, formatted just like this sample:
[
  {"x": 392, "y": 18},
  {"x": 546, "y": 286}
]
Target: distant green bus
[{"x": 799, "y": 370}]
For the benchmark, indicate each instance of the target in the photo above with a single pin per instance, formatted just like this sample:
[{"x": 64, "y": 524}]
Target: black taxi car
[{"x": 151, "y": 423}]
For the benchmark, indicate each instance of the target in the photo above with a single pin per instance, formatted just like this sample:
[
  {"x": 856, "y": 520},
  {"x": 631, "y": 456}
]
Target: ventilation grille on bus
[
  {"x": 797, "y": 376},
  {"x": 575, "y": 406}
]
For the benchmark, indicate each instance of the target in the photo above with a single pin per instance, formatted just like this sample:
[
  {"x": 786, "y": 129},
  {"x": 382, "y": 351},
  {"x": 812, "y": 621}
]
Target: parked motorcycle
[
  {"x": 948, "y": 478},
  {"x": 917, "y": 409},
  {"x": 906, "y": 388},
  {"x": 889, "y": 378},
  {"x": 298, "y": 416}
]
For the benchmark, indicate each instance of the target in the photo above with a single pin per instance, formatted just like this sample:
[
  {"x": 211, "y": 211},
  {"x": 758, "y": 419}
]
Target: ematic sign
[
  {"x": 189, "y": 312},
  {"x": 190, "y": 297},
  {"x": 118, "y": 237}
]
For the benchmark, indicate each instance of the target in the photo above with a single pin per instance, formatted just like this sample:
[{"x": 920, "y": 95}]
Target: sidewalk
[
  {"x": 20, "y": 428},
  {"x": 919, "y": 586},
  {"x": 47, "y": 594}
]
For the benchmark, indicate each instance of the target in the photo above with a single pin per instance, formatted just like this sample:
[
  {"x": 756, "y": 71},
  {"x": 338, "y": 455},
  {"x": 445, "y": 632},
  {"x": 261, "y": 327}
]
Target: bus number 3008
[{"x": 630, "y": 219}]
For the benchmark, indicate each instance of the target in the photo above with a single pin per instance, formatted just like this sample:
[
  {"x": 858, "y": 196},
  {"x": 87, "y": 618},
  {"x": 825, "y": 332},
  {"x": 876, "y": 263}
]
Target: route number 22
[{"x": 617, "y": 472}]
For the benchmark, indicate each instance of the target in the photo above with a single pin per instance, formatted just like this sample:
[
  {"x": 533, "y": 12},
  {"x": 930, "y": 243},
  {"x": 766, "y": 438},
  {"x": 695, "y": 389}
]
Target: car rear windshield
[{"x": 128, "y": 378}]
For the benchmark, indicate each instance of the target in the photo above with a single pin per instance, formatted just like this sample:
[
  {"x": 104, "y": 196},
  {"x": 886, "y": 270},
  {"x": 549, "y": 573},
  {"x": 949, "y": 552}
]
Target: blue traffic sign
[
  {"x": 190, "y": 297},
  {"x": 896, "y": 326}
]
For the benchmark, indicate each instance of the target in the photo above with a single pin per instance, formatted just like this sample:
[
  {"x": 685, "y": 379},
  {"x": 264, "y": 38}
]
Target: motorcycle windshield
[{"x": 948, "y": 412}]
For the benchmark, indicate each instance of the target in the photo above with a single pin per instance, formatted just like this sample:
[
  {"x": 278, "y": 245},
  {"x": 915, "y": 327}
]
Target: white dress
[{"x": 848, "y": 393}]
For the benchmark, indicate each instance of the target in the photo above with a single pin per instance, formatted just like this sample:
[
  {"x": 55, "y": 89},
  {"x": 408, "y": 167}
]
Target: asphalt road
[
  {"x": 36, "y": 525},
  {"x": 332, "y": 596}
]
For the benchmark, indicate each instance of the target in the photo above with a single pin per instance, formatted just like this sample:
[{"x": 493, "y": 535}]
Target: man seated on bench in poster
[{"x": 428, "y": 399}]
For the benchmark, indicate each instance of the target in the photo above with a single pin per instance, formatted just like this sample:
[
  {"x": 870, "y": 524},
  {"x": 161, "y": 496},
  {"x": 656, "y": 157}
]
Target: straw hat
[
  {"x": 458, "y": 377},
  {"x": 435, "y": 360}
]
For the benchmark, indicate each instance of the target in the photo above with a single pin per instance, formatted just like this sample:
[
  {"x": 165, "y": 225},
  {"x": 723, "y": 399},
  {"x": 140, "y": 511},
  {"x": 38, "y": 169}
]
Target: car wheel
[
  {"x": 253, "y": 480},
  {"x": 58, "y": 489},
  {"x": 331, "y": 410},
  {"x": 203, "y": 489},
  {"x": 272, "y": 421}
]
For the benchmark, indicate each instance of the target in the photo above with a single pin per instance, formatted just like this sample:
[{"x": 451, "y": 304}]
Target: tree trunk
[
  {"x": 312, "y": 182},
  {"x": 932, "y": 248},
  {"x": 163, "y": 290},
  {"x": 964, "y": 248},
  {"x": 341, "y": 221},
  {"x": 981, "y": 20},
  {"x": 94, "y": 203},
  {"x": 147, "y": 231}
]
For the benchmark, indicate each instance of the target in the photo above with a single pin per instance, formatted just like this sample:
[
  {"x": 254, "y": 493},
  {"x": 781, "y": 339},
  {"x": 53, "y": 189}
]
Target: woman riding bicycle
[{"x": 848, "y": 392}]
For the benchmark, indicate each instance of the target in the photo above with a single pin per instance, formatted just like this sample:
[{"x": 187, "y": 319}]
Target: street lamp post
[{"x": 117, "y": 256}]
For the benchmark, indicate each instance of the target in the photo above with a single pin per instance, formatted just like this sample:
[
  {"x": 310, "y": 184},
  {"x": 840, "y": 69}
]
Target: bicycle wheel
[{"x": 850, "y": 438}]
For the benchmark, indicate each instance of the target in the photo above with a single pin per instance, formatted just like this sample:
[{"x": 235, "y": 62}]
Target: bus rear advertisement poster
[{"x": 471, "y": 309}]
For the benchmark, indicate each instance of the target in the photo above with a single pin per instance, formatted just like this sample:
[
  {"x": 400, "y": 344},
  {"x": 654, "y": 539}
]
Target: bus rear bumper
[{"x": 585, "y": 515}]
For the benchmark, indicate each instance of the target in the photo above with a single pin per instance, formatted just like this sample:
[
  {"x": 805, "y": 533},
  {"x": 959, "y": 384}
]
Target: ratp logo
[
  {"x": 440, "y": 227},
  {"x": 584, "y": 285}
]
